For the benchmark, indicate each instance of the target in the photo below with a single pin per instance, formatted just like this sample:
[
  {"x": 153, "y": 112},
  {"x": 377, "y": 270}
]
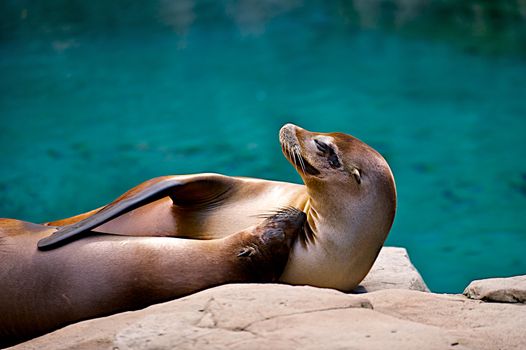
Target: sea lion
[
  {"x": 104, "y": 274},
  {"x": 349, "y": 197}
]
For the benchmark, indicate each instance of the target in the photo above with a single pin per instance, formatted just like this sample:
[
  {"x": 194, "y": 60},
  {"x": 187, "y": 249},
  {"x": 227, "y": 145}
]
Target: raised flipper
[{"x": 203, "y": 190}]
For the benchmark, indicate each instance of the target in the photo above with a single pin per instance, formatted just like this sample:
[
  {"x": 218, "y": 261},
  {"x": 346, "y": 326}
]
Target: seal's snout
[
  {"x": 287, "y": 135},
  {"x": 288, "y": 126}
]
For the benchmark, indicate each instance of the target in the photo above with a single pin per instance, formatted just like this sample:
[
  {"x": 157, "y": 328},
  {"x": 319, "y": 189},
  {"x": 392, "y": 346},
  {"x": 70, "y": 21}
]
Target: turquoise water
[{"x": 96, "y": 98}]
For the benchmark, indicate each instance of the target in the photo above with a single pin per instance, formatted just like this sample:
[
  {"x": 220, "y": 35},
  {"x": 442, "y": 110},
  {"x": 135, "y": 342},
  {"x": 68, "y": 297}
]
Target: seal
[
  {"x": 105, "y": 274},
  {"x": 349, "y": 197}
]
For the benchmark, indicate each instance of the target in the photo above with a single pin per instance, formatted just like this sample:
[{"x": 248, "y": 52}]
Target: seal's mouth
[
  {"x": 292, "y": 151},
  {"x": 304, "y": 165}
]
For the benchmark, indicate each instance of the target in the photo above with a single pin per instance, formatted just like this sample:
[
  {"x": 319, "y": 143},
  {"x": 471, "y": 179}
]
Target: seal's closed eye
[
  {"x": 322, "y": 146},
  {"x": 327, "y": 151},
  {"x": 334, "y": 162}
]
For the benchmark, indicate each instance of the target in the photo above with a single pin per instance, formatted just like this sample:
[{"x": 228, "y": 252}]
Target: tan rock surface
[
  {"x": 476, "y": 324},
  {"x": 285, "y": 317},
  {"x": 293, "y": 317},
  {"x": 507, "y": 290},
  {"x": 392, "y": 270}
]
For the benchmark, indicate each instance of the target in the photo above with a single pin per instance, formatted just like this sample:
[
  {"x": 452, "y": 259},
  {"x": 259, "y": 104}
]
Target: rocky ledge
[
  {"x": 395, "y": 311},
  {"x": 505, "y": 290}
]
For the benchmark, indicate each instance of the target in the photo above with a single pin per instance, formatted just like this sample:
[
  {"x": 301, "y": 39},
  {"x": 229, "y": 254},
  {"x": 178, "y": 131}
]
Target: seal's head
[
  {"x": 334, "y": 157},
  {"x": 352, "y": 195},
  {"x": 336, "y": 160}
]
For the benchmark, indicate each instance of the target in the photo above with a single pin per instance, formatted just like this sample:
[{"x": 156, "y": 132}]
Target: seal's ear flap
[
  {"x": 197, "y": 190},
  {"x": 357, "y": 176}
]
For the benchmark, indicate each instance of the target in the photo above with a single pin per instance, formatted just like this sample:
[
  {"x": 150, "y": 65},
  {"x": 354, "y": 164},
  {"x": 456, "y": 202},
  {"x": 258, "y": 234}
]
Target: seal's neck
[
  {"x": 340, "y": 240},
  {"x": 343, "y": 219}
]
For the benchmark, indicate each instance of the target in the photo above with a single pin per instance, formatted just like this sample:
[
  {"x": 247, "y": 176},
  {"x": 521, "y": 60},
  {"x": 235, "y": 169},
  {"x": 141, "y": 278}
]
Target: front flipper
[{"x": 203, "y": 190}]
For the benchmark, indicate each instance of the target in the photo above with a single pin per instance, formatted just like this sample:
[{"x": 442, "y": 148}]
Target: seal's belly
[
  {"x": 249, "y": 205},
  {"x": 154, "y": 219}
]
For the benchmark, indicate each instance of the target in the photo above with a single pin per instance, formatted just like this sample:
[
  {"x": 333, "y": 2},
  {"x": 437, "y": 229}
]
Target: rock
[
  {"x": 262, "y": 316},
  {"x": 474, "y": 324},
  {"x": 253, "y": 316},
  {"x": 505, "y": 290},
  {"x": 392, "y": 270}
]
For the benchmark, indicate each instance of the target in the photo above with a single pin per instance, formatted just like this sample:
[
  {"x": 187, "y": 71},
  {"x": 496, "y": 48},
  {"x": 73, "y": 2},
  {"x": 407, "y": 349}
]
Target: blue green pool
[{"x": 97, "y": 97}]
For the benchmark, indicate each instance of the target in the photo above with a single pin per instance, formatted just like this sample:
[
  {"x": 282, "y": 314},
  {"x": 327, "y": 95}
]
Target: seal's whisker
[
  {"x": 285, "y": 149},
  {"x": 302, "y": 163},
  {"x": 293, "y": 156},
  {"x": 297, "y": 157}
]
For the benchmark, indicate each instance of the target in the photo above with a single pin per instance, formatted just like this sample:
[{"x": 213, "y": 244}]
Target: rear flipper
[{"x": 193, "y": 190}]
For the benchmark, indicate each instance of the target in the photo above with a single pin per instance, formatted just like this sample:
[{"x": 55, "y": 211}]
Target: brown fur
[
  {"x": 104, "y": 274},
  {"x": 350, "y": 208}
]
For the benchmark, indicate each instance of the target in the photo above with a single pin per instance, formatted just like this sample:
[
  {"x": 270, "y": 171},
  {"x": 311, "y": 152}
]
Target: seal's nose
[
  {"x": 288, "y": 126},
  {"x": 291, "y": 127},
  {"x": 290, "y": 130},
  {"x": 287, "y": 134},
  {"x": 287, "y": 129}
]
